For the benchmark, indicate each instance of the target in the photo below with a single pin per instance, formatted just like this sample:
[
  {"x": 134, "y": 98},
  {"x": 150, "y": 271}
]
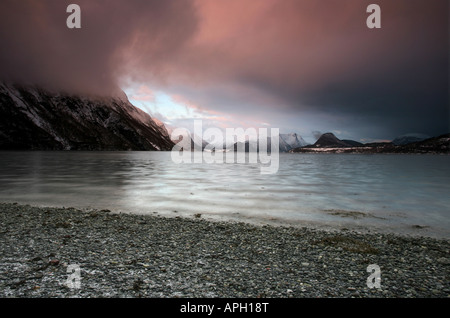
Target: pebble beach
[{"x": 124, "y": 255}]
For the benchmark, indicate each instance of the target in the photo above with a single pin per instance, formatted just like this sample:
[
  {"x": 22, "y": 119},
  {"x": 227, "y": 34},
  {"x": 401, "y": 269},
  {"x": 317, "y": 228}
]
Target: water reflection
[{"x": 392, "y": 191}]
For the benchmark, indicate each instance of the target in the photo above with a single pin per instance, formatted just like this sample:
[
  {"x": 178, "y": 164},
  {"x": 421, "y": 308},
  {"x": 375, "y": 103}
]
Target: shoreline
[
  {"x": 344, "y": 221},
  {"x": 133, "y": 255}
]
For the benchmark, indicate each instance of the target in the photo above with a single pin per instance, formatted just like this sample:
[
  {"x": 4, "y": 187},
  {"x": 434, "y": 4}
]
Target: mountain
[
  {"x": 409, "y": 138},
  {"x": 329, "y": 140},
  {"x": 32, "y": 118},
  {"x": 293, "y": 140},
  {"x": 286, "y": 143},
  {"x": 185, "y": 141},
  {"x": 438, "y": 144}
]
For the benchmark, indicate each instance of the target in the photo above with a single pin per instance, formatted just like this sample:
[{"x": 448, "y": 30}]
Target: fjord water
[{"x": 390, "y": 193}]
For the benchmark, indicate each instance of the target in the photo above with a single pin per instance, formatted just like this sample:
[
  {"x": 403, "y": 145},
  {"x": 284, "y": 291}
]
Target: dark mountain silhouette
[
  {"x": 32, "y": 118},
  {"x": 329, "y": 140}
]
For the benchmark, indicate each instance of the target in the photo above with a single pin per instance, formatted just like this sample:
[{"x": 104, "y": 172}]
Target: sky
[{"x": 302, "y": 66}]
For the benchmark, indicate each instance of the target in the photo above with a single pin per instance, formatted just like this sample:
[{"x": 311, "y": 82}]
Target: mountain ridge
[
  {"x": 32, "y": 118},
  {"x": 287, "y": 142}
]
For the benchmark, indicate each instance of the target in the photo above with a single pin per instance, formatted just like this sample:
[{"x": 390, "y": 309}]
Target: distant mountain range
[
  {"x": 286, "y": 143},
  {"x": 329, "y": 143},
  {"x": 35, "y": 119}
]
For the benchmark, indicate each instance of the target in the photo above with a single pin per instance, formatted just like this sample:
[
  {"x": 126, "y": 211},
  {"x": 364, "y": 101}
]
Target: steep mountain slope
[{"x": 35, "y": 119}]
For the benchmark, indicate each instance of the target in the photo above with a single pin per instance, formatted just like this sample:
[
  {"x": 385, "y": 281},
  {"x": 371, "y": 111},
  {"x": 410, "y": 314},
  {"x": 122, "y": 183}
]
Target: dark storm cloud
[
  {"x": 404, "y": 86},
  {"x": 37, "y": 46},
  {"x": 394, "y": 79}
]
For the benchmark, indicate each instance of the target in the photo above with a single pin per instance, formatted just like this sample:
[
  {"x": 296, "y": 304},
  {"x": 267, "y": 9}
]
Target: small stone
[
  {"x": 54, "y": 262},
  {"x": 443, "y": 260}
]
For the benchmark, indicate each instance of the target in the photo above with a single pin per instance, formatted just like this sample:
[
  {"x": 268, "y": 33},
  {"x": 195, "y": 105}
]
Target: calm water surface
[{"x": 393, "y": 193}]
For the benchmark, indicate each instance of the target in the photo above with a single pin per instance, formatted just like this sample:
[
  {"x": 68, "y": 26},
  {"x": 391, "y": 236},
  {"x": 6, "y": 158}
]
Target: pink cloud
[{"x": 144, "y": 94}]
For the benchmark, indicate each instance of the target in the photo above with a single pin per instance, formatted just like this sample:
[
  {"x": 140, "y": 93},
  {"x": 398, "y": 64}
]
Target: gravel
[{"x": 66, "y": 252}]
